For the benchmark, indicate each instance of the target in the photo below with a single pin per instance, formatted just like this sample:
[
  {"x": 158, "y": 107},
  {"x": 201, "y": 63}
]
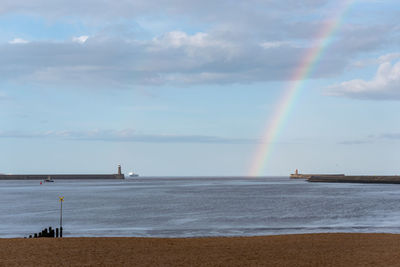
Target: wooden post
[
  {"x": 35, "y": 235},
  {"x": 61, "y": 201},
  {"x": 57, "y": 232}
]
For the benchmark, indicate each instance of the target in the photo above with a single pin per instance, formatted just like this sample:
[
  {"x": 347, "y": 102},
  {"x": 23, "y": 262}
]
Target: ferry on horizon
[{"x": 132, "y": 175}]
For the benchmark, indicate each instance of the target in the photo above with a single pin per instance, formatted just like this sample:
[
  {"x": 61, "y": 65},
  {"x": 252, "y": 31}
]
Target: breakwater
[
  {"x": 308, "y": 176},
  {"x": 59, "y": 176},
  {"x": 379, "y": 179},
  {"x": 51, "y": 177}
]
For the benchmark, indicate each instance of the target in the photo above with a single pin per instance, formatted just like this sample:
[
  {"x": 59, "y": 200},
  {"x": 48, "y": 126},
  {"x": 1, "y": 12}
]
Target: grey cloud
[
  {"x": 270, "y": 19},
  {"x": 358, "y": 37},
  {"x": 174, "y": 58},
  {"x": 231, "y": 51},
  {"x": 209, "y": 9},
  {"x": 356, "y": 142},
  {"x": 372, "y": 139},
  {"x": 127, "y": 135},
  {"x": 122, "y": 63},
  {"x": 393, "y": 136}
]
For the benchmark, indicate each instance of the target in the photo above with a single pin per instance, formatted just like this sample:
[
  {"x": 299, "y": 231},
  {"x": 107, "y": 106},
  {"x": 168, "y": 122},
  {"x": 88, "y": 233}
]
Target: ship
[{"x": 132, "y": 175}]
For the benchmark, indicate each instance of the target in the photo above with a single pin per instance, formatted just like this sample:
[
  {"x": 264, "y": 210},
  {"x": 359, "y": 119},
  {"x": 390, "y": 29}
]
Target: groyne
[{"x": 378, "y": 179}]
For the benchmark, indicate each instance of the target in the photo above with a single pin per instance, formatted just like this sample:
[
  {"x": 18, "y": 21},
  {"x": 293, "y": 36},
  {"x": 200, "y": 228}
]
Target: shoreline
[{"x": 323, "y": 249}]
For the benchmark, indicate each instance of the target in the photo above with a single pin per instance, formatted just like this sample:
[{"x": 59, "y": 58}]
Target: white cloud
[
  {"x": 178, "y": 39},
  {"x": 273, "y": 44},
  {"x": 384, "y": 85},
  {"x": 374, "y": 61},
  {"x": 81, "y": 39},
  {"x": 388, "y": 57},
  {"x": 18, "y": 41}
]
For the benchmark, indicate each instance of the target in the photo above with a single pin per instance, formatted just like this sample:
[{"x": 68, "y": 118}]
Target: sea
[{"x": 197, "y": 207}]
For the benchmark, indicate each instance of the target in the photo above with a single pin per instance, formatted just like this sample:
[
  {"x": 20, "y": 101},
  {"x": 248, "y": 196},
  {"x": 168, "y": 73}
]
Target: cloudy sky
[{"x": 187, "y": 87}]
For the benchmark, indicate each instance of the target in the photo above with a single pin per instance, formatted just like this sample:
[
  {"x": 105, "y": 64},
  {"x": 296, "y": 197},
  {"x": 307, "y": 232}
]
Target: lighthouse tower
[{"x": 119, "y": 174}]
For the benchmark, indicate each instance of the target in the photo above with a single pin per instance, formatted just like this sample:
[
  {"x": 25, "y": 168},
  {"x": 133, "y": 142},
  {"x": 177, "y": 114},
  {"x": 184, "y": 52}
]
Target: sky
[{"x": 189, "y": 88}]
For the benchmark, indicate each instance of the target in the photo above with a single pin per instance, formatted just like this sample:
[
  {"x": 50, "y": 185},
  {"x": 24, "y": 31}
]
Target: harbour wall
[
  {"x": 394, "y": 179},
  {"x": 308, "y": 176},
  {"x": 60, "y": 176}
]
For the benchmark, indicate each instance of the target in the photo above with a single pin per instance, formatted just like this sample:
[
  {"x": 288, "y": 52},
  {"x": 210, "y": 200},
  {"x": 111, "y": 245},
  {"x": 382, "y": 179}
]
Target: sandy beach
[{"x": 283, "y": 250}]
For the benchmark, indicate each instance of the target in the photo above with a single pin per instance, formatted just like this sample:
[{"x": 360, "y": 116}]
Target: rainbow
[{"x": 297, "y": 80}]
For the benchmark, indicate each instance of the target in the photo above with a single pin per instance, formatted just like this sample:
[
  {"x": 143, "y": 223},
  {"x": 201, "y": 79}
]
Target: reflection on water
[{"x": 202, "y": 206}]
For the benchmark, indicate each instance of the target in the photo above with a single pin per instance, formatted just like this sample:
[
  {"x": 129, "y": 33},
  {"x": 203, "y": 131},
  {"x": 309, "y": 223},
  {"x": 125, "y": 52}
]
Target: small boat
[
  {"x": 49, "y": 180},
  {"x": 131, "y": 174}
]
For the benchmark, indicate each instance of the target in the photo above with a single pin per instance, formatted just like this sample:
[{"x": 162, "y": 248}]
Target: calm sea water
[{"x": 202, "y": 206}]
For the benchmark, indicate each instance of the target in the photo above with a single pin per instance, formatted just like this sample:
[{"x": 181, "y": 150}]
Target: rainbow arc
[{"x": 296, "y": 82}]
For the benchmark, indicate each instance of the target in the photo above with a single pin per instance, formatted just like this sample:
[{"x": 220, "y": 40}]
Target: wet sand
[{"x": 283, "y": 250}]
